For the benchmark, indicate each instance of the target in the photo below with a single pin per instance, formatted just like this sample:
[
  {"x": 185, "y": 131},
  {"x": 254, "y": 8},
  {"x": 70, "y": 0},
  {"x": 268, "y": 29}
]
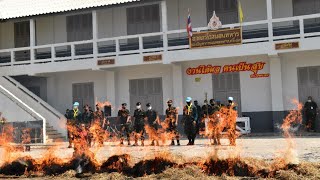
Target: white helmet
[{"x": 230, "y": 98}]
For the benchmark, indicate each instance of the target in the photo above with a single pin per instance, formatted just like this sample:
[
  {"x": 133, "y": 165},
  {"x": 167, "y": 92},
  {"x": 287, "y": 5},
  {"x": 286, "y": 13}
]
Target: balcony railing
[{"x": 253, "y": 32}]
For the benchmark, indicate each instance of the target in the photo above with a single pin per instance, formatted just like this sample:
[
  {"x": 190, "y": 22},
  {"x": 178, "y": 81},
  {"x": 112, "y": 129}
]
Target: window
[
  {"x": 143, "y": 19},
  {"x": 226, "y": 10},
  {"x": 304, "y": 7},
  {"x": 79, "y": 27}
]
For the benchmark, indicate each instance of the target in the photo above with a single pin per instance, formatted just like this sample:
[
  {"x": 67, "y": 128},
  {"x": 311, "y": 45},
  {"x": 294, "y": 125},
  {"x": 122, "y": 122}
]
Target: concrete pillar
[
  {"x": 32, "y": 39},
  {"x": 269, "y": 17},
  {"x": 276, "y": 90},
  {"x": 177, "y": 86},
  {"x": 111, "y": 89},
  {"x": 164, "y": 17},
  {"x": 95, "y": 33}
]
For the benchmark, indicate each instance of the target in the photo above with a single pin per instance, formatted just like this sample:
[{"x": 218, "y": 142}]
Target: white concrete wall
[
  {"x": 141, "y": 72},
  {"x": 255, "y": 93},
  {"x": 290, "y": 62},
  {"x": 12, "y": 112},
  {"x": 60, "y": 87}
]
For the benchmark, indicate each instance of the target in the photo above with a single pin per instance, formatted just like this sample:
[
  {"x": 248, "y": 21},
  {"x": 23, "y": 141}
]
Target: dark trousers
[{"x": 310, "y": 121}]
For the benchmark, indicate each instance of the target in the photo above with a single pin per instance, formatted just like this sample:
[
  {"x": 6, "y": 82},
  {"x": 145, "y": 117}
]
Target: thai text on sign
[
  {"x": 216, "y": 38},
  {"x": 240, "y": 67}
]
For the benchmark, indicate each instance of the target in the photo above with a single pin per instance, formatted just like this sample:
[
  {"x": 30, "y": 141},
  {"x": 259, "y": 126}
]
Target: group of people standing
[
  {"x": 203, "y": 120},
  {"x": 85, "y": 126}
]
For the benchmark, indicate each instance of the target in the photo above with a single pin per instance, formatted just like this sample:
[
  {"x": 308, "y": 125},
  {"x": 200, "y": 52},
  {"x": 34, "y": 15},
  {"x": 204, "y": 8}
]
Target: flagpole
[{"x": 240, "y": 14}]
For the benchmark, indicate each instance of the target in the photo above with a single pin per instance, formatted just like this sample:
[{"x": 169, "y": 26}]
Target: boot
[
  {"x": 142, "y": 142},
  {"x": 189, "y": 143},
  {"x": 129, "y": 143},
  {"x": 157, "y": 143},
  {"x": 135, "y": 143},
  {"x": 70, "y": 144},
  {"x": 121, "y": 142},
  {"x": 172, "y": 143},
  {"x": 152, "y": 143},
  {"x": 178, "y": 142}
]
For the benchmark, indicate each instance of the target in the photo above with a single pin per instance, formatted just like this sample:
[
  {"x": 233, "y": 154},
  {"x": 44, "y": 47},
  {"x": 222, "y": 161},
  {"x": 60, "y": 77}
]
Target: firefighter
[
  {"x": 190, "y": 117},
  {"x": 172, "y": 122},
  {"x": 310, "y": 110},
  {"x": 153, "y": 122},
  {"x": 125, "y": 122},
  {"x": 199, "y": 111},
  {"x": 139, "y": 118},
  {"x": 74, "y": 119},
  {"x": 232, "y": 119}
]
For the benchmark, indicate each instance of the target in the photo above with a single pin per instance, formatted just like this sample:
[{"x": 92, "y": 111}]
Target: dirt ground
[{"x": 260, "y": 148}]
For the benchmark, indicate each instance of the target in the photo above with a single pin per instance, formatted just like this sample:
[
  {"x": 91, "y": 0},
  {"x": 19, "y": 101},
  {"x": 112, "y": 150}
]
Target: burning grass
[
  {"x": 118, "y": 166},
  {"x": 162, "y": 165}
]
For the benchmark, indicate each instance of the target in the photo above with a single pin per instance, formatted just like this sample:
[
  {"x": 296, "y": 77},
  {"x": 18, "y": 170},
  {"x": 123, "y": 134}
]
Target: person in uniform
[
  {"x": 232, "y": 119},
  {"x": 87, "y": 116},
  {"x": 74, "y": 119},
  {"x": 310, "y": 111},
  {"x": 153, "y": 122},
  {"x": 199, "y": 111},
  {"x": 139, "y": 116},
  {"x": 125, "y": 122},
  {"x": 216, "y": 128},
  {"x": 172, "y": 122},
  {"x": 99, "y": 123},
  {"x": 66, "y": 115},
  {"x": 190, "y": 117}
]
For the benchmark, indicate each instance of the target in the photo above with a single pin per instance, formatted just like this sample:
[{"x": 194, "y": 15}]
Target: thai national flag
[{"x": 189, "y": 26}]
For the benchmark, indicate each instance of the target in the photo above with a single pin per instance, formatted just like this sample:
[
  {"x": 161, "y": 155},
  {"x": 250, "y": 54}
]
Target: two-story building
[{"x": 53, "y": 53}]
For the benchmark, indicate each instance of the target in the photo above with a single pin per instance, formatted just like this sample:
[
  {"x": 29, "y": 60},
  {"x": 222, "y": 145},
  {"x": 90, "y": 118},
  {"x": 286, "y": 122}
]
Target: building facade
[{"x": 138, "y": 50}]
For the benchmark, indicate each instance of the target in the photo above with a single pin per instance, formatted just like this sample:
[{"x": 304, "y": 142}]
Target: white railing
[
  {"x": 35, "y": 104},
  {"x": 162, "y": 42}
]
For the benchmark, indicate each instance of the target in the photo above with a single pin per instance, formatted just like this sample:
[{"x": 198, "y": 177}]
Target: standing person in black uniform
[
  {"x": 172, "y": 122},
  {"x": 199, "y": 111},
  {"x": 310, "y": 110},
  {"x": 98, "y": 123},
  {"x": 74, "y": 119},
  {"x": 232, "y": 120},
  {"x": 153, "y": 122},
  {"x": 139, "y": 118},
  {"x": 87, "y": 116},
  {"x": 190, "y": 117},
  {"x": 124, "y": 120}
]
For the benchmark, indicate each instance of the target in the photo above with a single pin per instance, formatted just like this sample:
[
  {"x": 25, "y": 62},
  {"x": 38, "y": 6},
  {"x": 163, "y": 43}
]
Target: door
[
  {"x": 226, "y": 10},
  {"x": 309, "y": 85},
  {"x": 227, "y": 85},
  {"x": 146, "y": 91},
  {"x": 22, "y": 39},
  {"x": 83, "y": 93}
]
